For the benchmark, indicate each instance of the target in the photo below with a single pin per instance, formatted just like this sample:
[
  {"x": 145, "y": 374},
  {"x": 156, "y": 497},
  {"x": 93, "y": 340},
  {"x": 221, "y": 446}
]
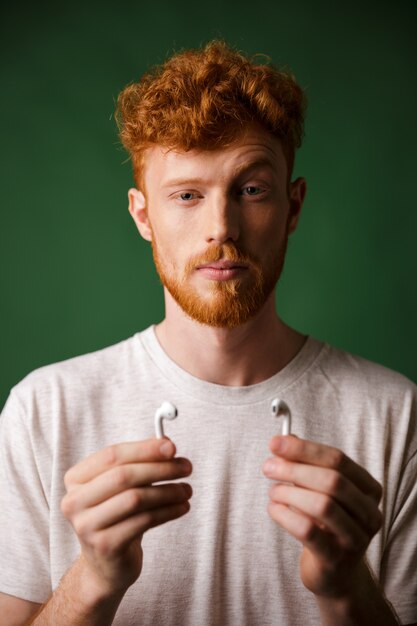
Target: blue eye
[
  {"x": 187, "y": 195},
  {"x": 251, "y": 190}
]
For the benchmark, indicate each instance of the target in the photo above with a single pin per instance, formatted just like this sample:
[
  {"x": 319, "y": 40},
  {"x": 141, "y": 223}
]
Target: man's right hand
[{"x": 111, "y": 501}]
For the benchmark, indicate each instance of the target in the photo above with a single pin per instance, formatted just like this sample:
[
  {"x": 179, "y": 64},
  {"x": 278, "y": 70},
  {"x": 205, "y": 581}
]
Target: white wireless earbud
[
  {"x": 166, "y": 411},
  {"x": 281, "y": 409}
]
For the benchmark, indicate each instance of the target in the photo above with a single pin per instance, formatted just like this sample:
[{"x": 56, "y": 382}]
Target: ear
[
  {"x": 138, "y": 210},
  {"x": 297, "y": 194}
]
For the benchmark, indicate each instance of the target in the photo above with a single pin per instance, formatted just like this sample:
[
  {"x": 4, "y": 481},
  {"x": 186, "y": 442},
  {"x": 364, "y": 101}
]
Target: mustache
[{"x": 224, "y": 252}]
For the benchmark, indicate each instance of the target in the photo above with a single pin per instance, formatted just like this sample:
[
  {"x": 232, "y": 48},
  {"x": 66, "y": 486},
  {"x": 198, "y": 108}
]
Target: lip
[
  {"x": 222, "y": 270},
  {"x": 223, "y": 265}
]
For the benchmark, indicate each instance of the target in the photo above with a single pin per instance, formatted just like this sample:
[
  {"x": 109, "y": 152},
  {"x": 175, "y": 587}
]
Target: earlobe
[
  {"x": 298, "y": 190},
  {"x": 139, "y": 213}
]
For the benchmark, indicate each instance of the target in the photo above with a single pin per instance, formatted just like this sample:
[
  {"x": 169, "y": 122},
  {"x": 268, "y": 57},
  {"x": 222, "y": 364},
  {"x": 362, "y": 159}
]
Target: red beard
[{"x": 228, "y": 303}]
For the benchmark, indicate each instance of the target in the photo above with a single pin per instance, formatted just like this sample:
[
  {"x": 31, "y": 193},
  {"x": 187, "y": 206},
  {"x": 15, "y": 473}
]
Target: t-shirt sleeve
[
  {"x": 399, "y": 563},
  {"x": 24, "y": 510}
]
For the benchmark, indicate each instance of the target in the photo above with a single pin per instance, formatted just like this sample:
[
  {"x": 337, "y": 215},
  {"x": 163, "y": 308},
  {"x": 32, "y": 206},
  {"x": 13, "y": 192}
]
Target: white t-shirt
[{"x": 225, "y": 563}]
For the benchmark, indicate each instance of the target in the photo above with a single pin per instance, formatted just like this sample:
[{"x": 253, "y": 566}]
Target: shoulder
[
  {"x": 75, "y": 378},
  {"x": 80, "y": 368},
  {"x": 346, "y": 369}
]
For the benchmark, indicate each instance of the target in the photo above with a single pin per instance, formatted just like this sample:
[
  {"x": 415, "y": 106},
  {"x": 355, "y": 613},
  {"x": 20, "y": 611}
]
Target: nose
[{"x": 222, "y": 221}]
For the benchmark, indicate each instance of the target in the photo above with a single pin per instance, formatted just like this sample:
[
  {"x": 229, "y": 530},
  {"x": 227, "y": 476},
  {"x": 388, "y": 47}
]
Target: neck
[{"x": 245, "y": 355}]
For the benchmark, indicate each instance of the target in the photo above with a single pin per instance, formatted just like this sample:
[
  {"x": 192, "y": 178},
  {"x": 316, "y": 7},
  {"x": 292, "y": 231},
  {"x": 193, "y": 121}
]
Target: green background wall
[{"x": 75, "y": 275}]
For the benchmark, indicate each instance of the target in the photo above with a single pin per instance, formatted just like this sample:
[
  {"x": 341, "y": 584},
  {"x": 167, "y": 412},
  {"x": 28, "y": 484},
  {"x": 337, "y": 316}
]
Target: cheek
[
  {"x": 170, "y": 251},
  {"x": 169, "y": 225},
  {"x": 265, "y": 230}
]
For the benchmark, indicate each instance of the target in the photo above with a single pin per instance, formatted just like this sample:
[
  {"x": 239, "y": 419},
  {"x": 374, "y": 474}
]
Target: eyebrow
[{"x": 242, "y": 169}]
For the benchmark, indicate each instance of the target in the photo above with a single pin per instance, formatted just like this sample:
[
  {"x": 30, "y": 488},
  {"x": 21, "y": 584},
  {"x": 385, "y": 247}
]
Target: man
[{"x": 321, "y": 531}]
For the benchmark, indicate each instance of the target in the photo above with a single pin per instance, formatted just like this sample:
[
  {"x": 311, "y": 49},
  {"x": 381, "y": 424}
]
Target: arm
[
  {"x": 330, "y": 504},
  {"x": 111, "y": 501},
  {"x": 364, "y": 604},
  {"x": 77, "y": 602},
  {"x": 16, "y": 611}
]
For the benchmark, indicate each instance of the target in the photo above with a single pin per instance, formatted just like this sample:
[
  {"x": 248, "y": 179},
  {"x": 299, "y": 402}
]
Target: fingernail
[{"x": 167, "y": 449}]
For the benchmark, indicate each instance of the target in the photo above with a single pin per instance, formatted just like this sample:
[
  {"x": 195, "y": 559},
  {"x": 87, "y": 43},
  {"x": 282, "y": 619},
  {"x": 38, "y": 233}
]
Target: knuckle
[
  {"x": 147, "y": 520},
  {"x": 337, "y": 458},
  {"x": 291, "y": 472},
  {"x": 287, "y": 471},
  {"x": 324, "y": 507},
  {"x": 279, "y": 493},
  {"x": 110, "y": 455},
  {"x": 167, "y": 470},
  {"x": 271, "y": 509},
  {"x": 352, "y": 545},
  {"x": 379, "y": 492},
  {"x": 181, "y": 491},
  {"x": 335, "y": 483},
  {"x": 307, "y": 530},
  {"x": 163, "y": 468},
  {"x": 102, "y": 544},
  {"x": 134, "y": 499},
  {"x": 67, "y": 506},
  {"x": 298, "y": 446},
  {"x": 80, "y": 526},
  {"x": 273, "y": 492},
  {"x": 302, "y": 445},
  {"x": 68, "y": 478},
  {"x": 377, "y": 521},
  {"x": 120, "y": 477}
]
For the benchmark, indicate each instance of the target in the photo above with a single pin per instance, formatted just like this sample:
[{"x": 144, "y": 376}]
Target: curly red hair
[{"x": 204, "y": 98}]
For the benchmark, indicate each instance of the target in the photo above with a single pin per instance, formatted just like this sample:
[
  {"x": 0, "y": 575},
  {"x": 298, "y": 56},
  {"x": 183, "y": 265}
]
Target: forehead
[{"x": 254, "y": 148}]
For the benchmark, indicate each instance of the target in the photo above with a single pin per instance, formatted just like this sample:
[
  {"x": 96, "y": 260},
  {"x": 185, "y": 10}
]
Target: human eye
[
  {"x": 257, "y": 192},
  {"x": 251, "y": 190},
  {"x": 186, "y": 197}
]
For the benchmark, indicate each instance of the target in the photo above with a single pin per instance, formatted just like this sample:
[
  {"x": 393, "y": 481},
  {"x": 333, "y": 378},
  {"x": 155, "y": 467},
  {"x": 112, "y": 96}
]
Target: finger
[
  {"x": 119, "y": 454},
  {"x": 305, "y": 530},
  {"x": 331, "y": 483},
  {"x": 128, "y": 503},
  {"x": 325, "y": 511},
  {"x": 114, "y": 540},
  {"x": 122, "y": 478},
  {"x": 312, "y": 453}
]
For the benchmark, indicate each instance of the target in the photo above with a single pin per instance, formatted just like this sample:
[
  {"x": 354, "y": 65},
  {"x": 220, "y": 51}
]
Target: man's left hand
[{"x": 330, "y": 504}]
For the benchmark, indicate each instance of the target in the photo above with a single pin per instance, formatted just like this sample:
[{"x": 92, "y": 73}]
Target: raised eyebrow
[
  {"x": 179, "y": 182},
  {"x": 246, "y": 168}
]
